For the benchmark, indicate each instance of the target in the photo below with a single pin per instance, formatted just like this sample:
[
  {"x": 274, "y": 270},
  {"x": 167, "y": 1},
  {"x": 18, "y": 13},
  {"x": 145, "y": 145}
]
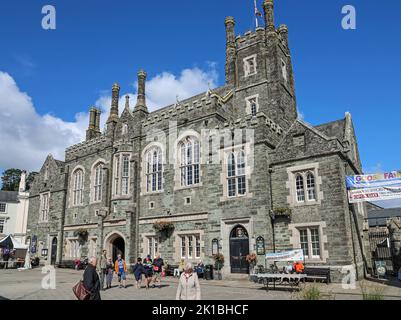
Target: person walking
[
  {"x": 157, "y": 271},
  {"x": 188, "y": 285},
  {"x": 179, "y": 269},
  {"x": 103, "y": 264},
  {"x": 91, "y": 279},
  {"x": 138, "y": 270},
  {"x": 121, "y": 269},
  {"x": 6, "y": 257},
  {"x": 148, "y": 267},
  {"x": 109, "y": 273}
]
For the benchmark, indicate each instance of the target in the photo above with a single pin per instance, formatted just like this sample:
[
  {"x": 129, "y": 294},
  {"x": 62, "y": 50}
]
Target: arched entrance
[
  {"x": 115, "y": 245},
  {"x": 53, "y": 257},
  {"x": 239, "y": 249}
]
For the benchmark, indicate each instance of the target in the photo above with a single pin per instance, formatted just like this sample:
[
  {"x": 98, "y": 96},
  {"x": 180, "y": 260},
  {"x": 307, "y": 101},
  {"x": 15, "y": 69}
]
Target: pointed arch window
[
  {"x": 189, "y": 151},
  {"x": 78, "y": 187},
  {"x": 122, "y": 175},
  {"x": 154, "y": 170}
]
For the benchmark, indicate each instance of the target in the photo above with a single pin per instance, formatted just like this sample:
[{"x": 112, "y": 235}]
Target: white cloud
[{"x": 28, "y": 137}]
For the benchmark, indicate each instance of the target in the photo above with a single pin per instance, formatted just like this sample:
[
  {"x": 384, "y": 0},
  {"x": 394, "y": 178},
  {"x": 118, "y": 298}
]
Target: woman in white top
[{"x": 188, "y": 285}]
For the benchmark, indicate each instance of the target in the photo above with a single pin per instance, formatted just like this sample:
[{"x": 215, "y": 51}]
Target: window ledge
[
  {"x": 307, "y": 203},
  {"x": 114, "y": 198},
  {"x": 152, "y": 192},
  {"x": 188, "y": 187}
]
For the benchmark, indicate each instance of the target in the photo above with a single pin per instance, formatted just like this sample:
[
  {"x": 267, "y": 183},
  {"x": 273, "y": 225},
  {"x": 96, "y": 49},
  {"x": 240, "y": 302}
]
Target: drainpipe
[
  {"x": 271, "y": 213},
  {"x": 358, "y": 233},
  {"x": 60, "y": 244}
]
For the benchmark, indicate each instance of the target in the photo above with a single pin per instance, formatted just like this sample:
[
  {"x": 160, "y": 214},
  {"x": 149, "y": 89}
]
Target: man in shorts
[
  {"x": 157, "y": 270},
  {"x": 121, "y": 269}
]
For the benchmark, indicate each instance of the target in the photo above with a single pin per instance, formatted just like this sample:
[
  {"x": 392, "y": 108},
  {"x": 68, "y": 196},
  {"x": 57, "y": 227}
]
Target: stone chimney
[
  {"x": 90, "y": 133},
  {"x": 230, "y": 51},
  {"x": 97, "y": 122},
  {"x": 268, "y": 8},
  {"x": 22, "y": 182},
  {"x": 115, "y": 96},
  {"x": 141, "y": 100}
]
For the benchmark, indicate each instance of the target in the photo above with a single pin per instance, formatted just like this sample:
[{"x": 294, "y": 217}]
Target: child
[{"x": 138, "y": 270}]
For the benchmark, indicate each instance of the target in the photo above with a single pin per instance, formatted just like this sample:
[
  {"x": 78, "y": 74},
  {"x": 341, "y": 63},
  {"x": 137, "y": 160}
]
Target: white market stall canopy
[{"x": 10, "y": 242}]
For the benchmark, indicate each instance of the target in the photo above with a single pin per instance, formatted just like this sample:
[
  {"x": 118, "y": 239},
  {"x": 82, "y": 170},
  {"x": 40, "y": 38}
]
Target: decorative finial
[{"x": 127, "y": 101}]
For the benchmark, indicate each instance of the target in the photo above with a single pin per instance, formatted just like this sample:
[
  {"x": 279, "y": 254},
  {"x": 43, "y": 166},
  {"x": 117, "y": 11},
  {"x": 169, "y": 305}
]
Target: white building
[{"x": 14, "y": 211}]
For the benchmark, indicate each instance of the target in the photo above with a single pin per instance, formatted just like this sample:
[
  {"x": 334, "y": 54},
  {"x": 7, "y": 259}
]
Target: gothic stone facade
[{"x": 234, "y": 164}]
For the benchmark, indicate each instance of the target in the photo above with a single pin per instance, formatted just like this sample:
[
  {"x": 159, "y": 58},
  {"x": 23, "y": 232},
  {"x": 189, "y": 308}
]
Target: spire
[
  {"x": 115, "y": 95},
  {"x": 141, "y": 100},
  {"x": 268, "y": 8}
]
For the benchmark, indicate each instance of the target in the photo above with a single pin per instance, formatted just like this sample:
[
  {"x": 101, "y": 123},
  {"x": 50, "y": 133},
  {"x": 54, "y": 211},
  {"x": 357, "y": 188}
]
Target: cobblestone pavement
[{"x": 27, "y": 285}]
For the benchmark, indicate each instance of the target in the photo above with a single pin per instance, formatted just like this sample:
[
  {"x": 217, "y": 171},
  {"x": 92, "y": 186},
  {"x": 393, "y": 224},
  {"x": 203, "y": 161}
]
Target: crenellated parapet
[
  {"x": 185, "y": 110},
  {"x": 87, "y": 147}
]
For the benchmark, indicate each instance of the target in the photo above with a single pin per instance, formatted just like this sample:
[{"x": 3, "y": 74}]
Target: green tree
[
  {"x": 29, "y": 179},
  {"x": 10, "y": 179}
]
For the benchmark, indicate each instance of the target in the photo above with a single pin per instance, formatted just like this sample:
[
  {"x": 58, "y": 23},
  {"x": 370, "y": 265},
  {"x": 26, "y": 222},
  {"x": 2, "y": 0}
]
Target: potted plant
[
  {"x": 163, "y": 227},
  {"x": 252, "y": 260},
  {"x": 218, "y": 263}
]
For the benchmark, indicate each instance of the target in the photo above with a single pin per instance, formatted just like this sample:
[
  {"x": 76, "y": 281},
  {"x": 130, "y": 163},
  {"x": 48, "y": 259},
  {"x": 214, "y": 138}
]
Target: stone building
[
  {"x": 14, "y": 211},
  {"x": 234, "y": 164}
]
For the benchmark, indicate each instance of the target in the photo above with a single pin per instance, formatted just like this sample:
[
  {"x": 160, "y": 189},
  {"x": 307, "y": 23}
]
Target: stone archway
[{"x": 114, "y": 244}]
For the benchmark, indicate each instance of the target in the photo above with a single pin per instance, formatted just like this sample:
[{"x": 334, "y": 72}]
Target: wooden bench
[
  {"x": 322, "y": 274},
  {"x": 169, "y": 270}
]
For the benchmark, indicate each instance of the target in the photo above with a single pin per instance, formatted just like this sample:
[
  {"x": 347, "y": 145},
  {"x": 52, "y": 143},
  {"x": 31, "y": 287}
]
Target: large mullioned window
[
  {"x": 44, "y": 207},
  {"x": 98, "y": 182},
  {"x": 305, "y": 187},
  {"x": 189, "y": 149},
  {"x": 154, "y": 170},
  {"x": 236, "y": 177},
  {"x": 78, "y": 187},
  {"x": 121, "y": 174}
]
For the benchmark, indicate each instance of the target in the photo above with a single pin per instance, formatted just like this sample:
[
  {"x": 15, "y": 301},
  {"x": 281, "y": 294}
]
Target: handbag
[{"x": 80, "y": 291}]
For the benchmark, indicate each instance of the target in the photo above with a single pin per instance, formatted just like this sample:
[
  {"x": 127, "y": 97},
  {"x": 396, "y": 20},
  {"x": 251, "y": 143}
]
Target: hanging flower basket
[
  {"x": 82, "y": 235},
  {"x": 163, "y": 226},
  {"x": 282, "y": 212}
]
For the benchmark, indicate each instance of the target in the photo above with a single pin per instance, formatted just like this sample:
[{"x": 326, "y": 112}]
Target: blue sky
[{"x": 97, "y": 43}]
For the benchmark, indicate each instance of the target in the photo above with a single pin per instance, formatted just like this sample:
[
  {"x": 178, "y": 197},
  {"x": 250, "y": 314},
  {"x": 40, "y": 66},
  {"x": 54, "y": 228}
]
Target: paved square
[{"x": 27, "y": 285}]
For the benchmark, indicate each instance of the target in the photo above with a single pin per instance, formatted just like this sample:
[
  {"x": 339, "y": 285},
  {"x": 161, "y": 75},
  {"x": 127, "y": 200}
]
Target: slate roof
[
  {"x": 8, "y": 196},
  {"x": 379, "y": 217},
  {"x": 333, "y": 129}
]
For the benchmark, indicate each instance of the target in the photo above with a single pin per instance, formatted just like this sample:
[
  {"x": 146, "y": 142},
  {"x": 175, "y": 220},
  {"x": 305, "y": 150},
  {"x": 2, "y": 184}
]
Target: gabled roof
[
  {"x": 8, "y": 196},
  {"x": 333, "y": 129},
  {"x": 59, "y": 163}
]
